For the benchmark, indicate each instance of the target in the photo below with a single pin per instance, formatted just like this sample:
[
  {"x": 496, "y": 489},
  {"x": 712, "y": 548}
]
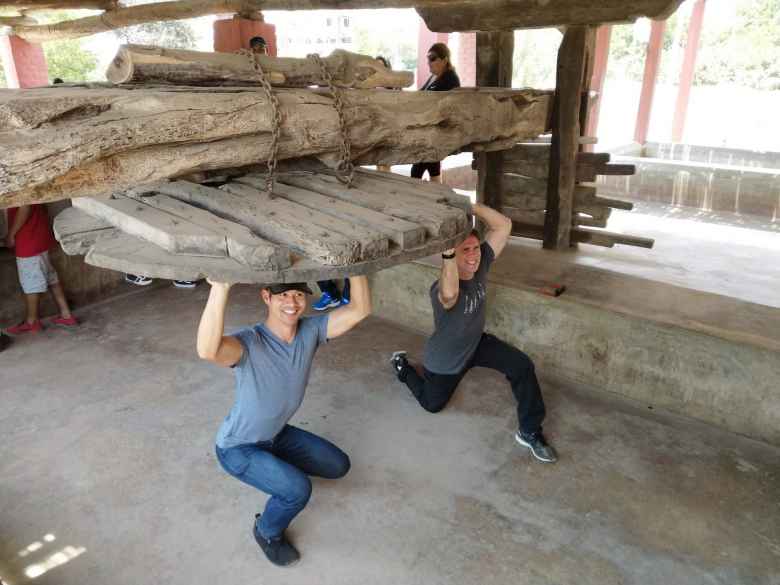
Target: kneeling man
[
  {"x": 459, "y": 342},
  {"x": 271, "y": 361}
]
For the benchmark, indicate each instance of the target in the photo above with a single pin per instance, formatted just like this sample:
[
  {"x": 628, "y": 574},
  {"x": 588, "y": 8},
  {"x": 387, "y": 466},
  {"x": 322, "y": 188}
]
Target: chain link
[
  {"x": 270, "y": 177},
  {"x": 345, "y": 171}
]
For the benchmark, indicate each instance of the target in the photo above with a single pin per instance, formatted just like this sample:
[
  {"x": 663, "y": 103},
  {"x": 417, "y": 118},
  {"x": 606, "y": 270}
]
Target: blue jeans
[{"x": 281, "y": 468}]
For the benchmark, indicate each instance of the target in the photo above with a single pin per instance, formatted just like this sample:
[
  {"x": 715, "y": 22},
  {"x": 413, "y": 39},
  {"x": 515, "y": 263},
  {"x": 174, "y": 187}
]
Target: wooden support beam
[
  {"x": 143, "y": 64},
  {"x": 464, "y": 15},
  {"x": 440, "y": 15},
  {"x": 494, "y": 69},
  {"x": 584, "y": 235},
  {"x": 64, "y": 142},
  {"x": 600, "y": 59},
  {"x": 565, "y": 135}
]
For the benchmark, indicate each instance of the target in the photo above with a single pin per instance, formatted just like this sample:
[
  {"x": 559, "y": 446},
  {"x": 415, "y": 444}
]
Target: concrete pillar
[
  {"x": 24, "y": 63},
  {"x": 467, "y": 59},
  {"x": 688, "y": 68},
  {"x": 233, "y": 34},
  {"x": 425, "y": 39},
  {"x": 652, "y": 63}
]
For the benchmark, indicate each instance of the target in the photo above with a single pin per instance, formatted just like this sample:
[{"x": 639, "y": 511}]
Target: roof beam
[{"x": 439, "y": 15}]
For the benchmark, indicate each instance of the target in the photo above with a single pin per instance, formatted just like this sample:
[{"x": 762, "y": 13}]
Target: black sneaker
[
  {"x": 538, "y": 446},
  {"x": 277, "y": 550},
  {"x": 400, "y": 363},
  {"x": 5, "y": 341}
]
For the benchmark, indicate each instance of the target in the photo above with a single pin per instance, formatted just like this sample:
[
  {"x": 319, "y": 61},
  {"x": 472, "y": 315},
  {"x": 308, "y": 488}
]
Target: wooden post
[
  {"x": 688, "y": 67},
  {"x": 572, "y": 57},
  {"x": 652, "y": 63},
  {"x": 494, "y": 69}
]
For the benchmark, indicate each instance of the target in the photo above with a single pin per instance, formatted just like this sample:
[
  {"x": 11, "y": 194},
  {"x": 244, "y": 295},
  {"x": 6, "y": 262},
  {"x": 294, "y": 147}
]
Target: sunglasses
[{"x": 432, "y": 58}]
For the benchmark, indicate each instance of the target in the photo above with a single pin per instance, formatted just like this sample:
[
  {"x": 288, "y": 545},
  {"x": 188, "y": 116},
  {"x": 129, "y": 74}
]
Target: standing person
[
  {"x": 271, "y": 361},
  {"x": 29, "y": 234},
  {"x": 331, "y": 295},
  {"x": 459, "y": 342},
  {"x": 443, "y": 78}
]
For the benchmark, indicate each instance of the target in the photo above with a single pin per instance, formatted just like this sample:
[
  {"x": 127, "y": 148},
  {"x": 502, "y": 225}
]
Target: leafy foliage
[
  {"x": 175, "y": 34},
  {"x": 69, "y": 61}
]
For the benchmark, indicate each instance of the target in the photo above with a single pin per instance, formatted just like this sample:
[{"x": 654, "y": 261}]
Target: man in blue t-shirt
[
  {"x": 271, "y": 362},
  {"x": 459, "y": 342}
]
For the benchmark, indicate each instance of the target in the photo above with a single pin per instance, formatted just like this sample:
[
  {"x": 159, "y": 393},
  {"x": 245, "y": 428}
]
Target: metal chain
[
  {"x": 270, "y": 177},
  {"x": 345, "y": 171}
]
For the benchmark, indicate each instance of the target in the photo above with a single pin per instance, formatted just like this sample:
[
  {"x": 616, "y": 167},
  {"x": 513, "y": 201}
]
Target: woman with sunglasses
[{"x": 443, "y": 78}]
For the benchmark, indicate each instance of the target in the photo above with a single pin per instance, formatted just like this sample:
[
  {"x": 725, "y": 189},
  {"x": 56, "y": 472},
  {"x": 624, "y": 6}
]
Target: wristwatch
[{"x": 448, "y": 256}]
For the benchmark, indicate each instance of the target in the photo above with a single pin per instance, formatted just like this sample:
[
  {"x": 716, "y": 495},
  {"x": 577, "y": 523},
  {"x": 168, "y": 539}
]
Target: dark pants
[
  {"x": 433, "y": 391},
  {"x": 433, "y": 168},
  {"x": 330, "y": 287},
  {"x": 281, "y": 468}
]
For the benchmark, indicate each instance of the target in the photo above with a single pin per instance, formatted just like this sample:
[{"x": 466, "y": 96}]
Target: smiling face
[
  {"x": 285, "y": 308},
  {"x": 468, "y": 256},
  {"x": 436, "y": 64}
]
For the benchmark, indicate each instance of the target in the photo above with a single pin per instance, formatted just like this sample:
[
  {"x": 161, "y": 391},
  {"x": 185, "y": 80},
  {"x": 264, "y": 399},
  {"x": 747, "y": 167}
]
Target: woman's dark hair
[{"x": 442, "y": 51}]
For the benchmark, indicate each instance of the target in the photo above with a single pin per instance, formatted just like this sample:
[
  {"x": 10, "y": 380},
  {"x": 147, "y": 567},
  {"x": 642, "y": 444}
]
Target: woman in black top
[{"x": 443, "y": 78}]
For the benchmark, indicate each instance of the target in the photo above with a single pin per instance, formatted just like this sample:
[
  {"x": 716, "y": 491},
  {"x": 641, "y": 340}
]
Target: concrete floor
[{"x": 106, "y": 445}]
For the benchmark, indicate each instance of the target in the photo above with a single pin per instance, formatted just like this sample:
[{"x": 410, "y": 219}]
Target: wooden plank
[
  {"x": 171, "y": 233},
  {"x": 282, "y": 222},
  {"x": 614, "y": 203},
  {"x": 413, "y": 194},
  {"x": 534, "y": 192},
  {"x": 242, "y": 245},
  {"x": 435, "y": 224},
  {"x": 524, "y": 216},
  {"x": 403, "y": 233},
  {"x": 77, "y": 231},
  {"x": 616, "y": 169},
  {"x": 585, "y": 236},
  {"x": 436, "y": 192},
  {"x": 565, "y": 138}
]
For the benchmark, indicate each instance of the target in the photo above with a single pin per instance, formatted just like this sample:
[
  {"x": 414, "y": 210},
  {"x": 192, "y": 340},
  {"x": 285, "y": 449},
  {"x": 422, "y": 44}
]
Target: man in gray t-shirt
[
  {"x": 459, "y": 342},
  {"x": 271, "y": 362}
]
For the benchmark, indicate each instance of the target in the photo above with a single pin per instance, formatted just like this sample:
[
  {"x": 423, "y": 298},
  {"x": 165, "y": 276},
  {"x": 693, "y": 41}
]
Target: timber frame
[{"x": 439, "y": 15}]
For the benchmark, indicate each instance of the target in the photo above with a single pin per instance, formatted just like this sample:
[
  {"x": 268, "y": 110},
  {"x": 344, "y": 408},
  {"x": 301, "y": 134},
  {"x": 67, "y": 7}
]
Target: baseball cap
[{"x": 280, "y": 288}]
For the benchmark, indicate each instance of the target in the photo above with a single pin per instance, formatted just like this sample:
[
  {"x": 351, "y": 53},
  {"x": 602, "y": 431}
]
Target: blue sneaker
[
  {"x": 326, "y": 302},
  {"x": 344, "y": 300}
]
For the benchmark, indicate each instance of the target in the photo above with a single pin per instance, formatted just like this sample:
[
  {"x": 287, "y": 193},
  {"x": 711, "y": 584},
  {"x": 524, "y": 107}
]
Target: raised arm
[
  {"x": 499, "y": 227},
  {"x": 345, "y": 318},
  {"x": 212, "y": 344},
  {"x": 449, "y": 283},
  {"x": 22, "y": 215}
]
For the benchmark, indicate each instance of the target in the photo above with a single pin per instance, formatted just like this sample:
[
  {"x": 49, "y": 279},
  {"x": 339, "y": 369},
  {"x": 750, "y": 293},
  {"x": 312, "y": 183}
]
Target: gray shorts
[{"x": 36, "y": 273}]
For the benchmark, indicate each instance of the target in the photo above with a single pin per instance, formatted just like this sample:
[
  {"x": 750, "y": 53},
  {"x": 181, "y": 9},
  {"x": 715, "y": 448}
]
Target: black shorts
[{"x": 433, "y": 168}]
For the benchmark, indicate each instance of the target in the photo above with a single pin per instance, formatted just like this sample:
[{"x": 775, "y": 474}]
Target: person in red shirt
[{"x": 29, "y": 234}]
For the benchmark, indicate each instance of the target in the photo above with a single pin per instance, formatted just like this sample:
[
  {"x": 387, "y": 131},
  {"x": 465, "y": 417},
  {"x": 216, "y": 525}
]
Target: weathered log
[
  {"x": 467, "y": 15},
  {"x": 145, "y": 64},
  {"x": 585, "y": 236},
  {"x": 59, "y": 5},
  {"x": 439, "y": 15},
  {"x": 58, "y": 143},
  {"x": 17, "y": 21}
]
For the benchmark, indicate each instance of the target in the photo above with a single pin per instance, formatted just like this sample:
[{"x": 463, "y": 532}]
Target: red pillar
[
  {"x": 24, "y": 63},
  {"x": 425, "y": 39},
  {"x": 688, "y": 68},
  {"x": 600, "y": 60},
  {"x": 233, "y": 34},
  {"x": 467, "y": 59},
  {"x": 652, "y": 63}
]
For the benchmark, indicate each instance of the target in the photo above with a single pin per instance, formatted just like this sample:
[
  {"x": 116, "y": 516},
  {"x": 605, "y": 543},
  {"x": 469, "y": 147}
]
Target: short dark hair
[
  {"x": 385, "y": 61},
  {"x": 257, "y": 42},
  {"x": 57, "y": 80}
]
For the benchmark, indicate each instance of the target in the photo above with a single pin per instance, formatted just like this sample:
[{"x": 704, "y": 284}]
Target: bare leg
[
  {"x": 59, "y": 298},
  {"x": 32, "y": 301}
]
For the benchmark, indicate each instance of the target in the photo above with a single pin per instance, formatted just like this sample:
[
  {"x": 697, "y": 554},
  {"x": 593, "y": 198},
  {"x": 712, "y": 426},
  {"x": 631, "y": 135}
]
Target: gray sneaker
[{"x": 538, "y": 446}]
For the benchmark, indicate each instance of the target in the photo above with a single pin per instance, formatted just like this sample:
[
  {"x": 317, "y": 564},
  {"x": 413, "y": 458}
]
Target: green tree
[
  {"x": 174, "y": 34},
  {"x": 69, "y": 61}
]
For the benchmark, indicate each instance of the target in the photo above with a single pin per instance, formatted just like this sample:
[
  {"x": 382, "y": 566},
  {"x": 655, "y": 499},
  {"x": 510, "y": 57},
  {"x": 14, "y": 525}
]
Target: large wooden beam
[
  {"x": 467, "y": 15},
  {"x": 565, "y": 136},
  {"x": 61, "y": 142},
  {"x": 440, "y": 15},
  {"x": 494, "y": 69},
  {"x": 145, "y": 64},
  {"x": 60, "y": 5}
]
